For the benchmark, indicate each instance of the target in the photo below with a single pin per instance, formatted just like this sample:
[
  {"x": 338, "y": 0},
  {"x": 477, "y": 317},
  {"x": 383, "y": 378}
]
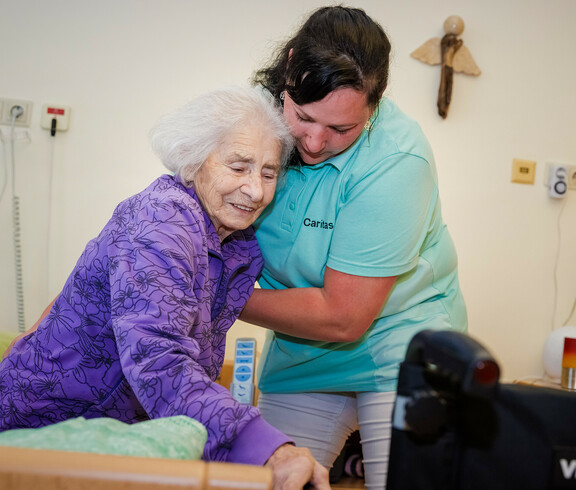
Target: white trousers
[{"x": 322, "y": 422}]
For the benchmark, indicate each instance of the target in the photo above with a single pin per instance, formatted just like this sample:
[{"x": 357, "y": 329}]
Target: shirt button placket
[{"x": 291, "y": 210}]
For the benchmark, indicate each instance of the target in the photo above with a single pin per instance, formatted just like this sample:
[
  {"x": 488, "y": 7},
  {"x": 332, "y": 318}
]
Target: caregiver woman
[
  {"x": 139, "y": 328},
  {"x": 357, "y": 257}
]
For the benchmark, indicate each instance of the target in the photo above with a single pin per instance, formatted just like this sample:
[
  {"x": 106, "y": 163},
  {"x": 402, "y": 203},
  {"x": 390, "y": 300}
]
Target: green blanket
[{"x": 177, "y": 437}]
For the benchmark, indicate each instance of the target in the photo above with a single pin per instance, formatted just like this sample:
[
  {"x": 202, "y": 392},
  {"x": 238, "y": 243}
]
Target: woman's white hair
[{"x": 185, "y": 138}]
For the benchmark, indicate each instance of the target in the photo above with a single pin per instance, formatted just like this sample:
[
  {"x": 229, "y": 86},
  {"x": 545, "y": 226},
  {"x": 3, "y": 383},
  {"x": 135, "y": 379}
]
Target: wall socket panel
[
  {"x": 6, "y": 106},
  {"x": 570, "y": 174}
]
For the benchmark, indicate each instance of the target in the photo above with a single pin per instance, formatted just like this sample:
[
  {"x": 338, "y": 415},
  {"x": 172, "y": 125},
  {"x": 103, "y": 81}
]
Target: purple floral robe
[{"x": 139, "y": 329}]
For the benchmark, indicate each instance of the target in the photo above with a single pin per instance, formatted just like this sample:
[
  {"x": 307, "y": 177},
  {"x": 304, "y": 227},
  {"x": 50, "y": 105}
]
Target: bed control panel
[{"x": 242, "y": 387}]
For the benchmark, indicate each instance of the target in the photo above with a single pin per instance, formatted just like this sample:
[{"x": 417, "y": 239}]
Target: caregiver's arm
[{"x": 340, "y": 311}]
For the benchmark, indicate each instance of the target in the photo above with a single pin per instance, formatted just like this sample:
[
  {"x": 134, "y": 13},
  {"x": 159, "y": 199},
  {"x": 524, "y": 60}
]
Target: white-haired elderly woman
[{"x": 139, "y": 329}]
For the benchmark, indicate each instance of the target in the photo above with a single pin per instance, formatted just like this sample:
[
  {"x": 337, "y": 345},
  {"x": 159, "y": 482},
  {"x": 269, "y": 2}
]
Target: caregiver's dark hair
[{"x": 336, "y": 47}]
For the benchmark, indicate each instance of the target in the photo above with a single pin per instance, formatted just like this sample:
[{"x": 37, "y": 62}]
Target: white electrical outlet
[
  {"x": 557, "y": 181},
  {"x": 7, "y": 112},
  {"x": 570, "y": 177}
]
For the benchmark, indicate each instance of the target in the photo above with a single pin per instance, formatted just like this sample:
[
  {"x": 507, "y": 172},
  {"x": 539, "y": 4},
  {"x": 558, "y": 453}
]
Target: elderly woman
[{"x": 140, "y": 326}]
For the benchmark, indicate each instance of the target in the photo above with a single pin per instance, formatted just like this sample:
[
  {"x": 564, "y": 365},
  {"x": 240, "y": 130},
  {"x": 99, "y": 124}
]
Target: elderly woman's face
[{"x": 238, "y": 179}]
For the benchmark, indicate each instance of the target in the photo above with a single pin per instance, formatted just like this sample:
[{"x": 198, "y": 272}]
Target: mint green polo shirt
[{"x": 372, "y": 211}]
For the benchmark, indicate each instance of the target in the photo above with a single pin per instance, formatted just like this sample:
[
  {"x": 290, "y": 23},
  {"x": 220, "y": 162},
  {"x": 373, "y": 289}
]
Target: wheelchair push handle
[{"x": 454, "y": 362}]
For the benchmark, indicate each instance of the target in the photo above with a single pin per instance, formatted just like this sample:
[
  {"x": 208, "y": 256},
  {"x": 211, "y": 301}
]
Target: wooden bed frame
[{"x": 31, "y": 469}]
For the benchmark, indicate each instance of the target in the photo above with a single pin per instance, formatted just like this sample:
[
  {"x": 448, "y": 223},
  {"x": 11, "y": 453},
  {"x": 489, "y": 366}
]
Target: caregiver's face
[
  {"x": 238, "y": 179},
  {"x": 328, "y": 127}
]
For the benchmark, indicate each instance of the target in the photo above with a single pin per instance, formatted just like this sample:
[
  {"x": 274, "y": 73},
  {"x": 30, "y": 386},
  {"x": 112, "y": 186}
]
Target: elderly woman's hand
[{"x": 294, "y": 467}]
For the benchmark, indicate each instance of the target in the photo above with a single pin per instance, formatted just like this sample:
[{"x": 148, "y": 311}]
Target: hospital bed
[{"x": 35, "y": 469}]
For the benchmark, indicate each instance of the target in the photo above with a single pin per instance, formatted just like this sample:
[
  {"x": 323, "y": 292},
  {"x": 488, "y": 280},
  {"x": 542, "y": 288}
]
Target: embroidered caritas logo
[
  {"x": 312, "y": 223},
  {"x": 564, "y": 471}
]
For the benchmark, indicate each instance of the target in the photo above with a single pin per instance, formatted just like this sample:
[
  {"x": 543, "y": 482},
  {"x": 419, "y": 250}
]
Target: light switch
[{"x": 523, "y": 171}]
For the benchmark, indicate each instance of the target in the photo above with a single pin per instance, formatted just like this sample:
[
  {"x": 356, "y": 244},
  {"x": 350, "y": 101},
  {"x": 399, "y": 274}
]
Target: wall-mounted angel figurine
[{"x": 451, "y": 53}]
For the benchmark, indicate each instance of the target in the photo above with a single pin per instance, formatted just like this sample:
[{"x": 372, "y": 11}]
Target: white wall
[{"x": 120, "y": 64}]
